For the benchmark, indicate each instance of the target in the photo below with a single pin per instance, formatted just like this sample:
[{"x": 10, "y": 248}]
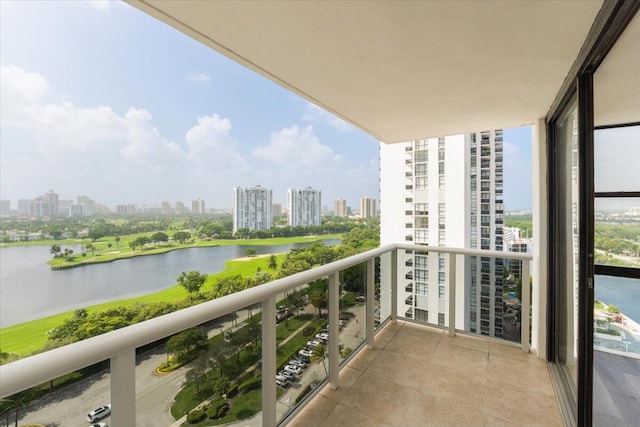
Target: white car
[
  {"x": 296, "y": 370},
  {"x": 298, "y": 362},
  {"x": 322, "y": 337},
  {"x": 313, "y": 343},
  {"x": 282, "y": 381},
  {"x": 306, "y": 353},
  {"x": 99, "y": 413}
]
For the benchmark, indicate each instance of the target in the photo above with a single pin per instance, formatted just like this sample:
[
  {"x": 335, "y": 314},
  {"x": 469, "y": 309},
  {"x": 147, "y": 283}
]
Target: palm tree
[
  {"x": 319, "y": 354},
  {"x": 117, "y": 242},
  {"x": 273, "y": 263},
  {"x": 55, "y": 250}
]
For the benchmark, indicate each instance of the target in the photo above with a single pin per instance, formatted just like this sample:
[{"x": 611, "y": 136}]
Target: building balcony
[{"x": 499, "y": 376}]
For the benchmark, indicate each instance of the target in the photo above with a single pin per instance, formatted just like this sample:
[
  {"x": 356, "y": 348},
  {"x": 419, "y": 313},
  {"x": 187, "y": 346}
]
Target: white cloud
[
  {"x": 199, "y": 78},
  {"x": 102, "y": 5},
  {"x": 63, "y": 145},
  {"x": 317, "y": 115},
  {"x": 294, "y": 147}
]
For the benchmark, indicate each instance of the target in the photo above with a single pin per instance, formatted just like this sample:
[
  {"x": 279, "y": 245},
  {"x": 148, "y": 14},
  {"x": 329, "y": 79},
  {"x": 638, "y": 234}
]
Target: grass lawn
[{"x": 29, "y": 336}]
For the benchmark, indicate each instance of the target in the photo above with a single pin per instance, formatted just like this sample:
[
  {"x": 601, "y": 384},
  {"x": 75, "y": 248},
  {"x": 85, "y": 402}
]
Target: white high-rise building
[
  {"x": 446, "y": 202},
  {"x": 252, "y": 208},
  {"x": 368, "y": 207},
  {"x": 304, "y": 206},
  {"x": 198, "y": 206}
]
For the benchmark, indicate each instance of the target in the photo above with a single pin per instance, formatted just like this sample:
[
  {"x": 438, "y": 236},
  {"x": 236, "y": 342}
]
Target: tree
[
  {"x": 186, "y": 343},
  {"x": 91, "y": 248},
  {"x": 109, "y": 245},
  {"x": 55, "y": 250},
  {"x": 318, "y": 294},
  {"x": 273, "y": 263},
  {"x": 181, "y": 236},
  {"x": 296, "y": 301},
  {"x": 159, "y": 237},
  {"x": 196, "y": 375},
  {"x": 250, "y": 252},
  {"x": 117, "y": 242},
  {"x": 318, "y": 355},
  {"x": 192, "y": 281}
]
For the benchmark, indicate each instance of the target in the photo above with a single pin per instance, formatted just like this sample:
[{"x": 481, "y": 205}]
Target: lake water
[
  {"x": 29, "y": 289},
  {"x": 621, "y": 292}
]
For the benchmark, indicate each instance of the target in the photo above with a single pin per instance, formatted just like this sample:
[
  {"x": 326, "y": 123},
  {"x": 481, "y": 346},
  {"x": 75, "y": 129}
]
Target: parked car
[
  {"x": 305, "y": 352},
  {"x": 323, "y": 337},
  {"x": 99, "y": 413},
  {"x": 297, "y": 370},
  {"x": 287, "y": 374},
  {"x": 282, "y": 381},
  {"x": 302, "y": 358},
  {"x": 360, "y": 298},
  {"x": 298, "y": 362},
  {"x": 313, "y": 344},
  {"x": 99, "y": 425}
]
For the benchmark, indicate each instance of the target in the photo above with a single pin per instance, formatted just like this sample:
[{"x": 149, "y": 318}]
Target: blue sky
[{"x": 99, "y": 99}]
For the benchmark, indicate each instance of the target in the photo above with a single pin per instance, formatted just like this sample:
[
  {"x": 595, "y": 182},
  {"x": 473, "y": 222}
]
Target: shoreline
[
  {"x": 628, "y": 325},
  {"x": 198, "y": 244}
]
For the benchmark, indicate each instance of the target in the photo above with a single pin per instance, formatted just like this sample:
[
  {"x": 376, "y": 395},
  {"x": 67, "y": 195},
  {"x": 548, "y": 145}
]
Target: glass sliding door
[{"x": 565, "y": 249}]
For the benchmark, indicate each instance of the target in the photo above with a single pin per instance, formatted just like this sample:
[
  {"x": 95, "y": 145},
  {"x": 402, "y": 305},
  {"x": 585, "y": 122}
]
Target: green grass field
[{"x": 26, "y": 337}]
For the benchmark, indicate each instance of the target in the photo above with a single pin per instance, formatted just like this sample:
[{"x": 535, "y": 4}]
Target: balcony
[
  {"x": 417, "y": 375},
  {"x": 505, "y": 372}
]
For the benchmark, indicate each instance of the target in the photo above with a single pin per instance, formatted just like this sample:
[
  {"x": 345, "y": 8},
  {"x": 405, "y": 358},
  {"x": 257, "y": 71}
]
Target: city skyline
[{"x": 148, "y": 115}]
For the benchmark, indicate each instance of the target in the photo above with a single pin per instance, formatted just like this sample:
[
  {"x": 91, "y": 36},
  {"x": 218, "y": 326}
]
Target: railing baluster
[
  {"x": 123, "y": 388},
  {"x": 452, "y": 294},
  {"x": 526, "y": 302},
  {"x": 369, "y": 327},
  {"x": 394, "y": 285},
  {"x": 269, "y": 361},
  {"x": 334, "y": 331}
]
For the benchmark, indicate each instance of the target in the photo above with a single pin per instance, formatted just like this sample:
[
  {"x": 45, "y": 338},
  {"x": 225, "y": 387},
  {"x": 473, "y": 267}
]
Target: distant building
[
  {"x": 252, "y": 208},
  {"x": 197, "y": 206},
  {"x": 88, "y": 205},
  {"x": 304, "y": 207},
  {"x": 276, "y": 210},
  {"x": 516, "y": 245},
  {"x": 5, "y": 207},
  {"x": 25, "y": 207},
  {"x": 180, "y": 209},
  {"x": 341, "y": 208},
  {"x": 166, "y": 208},
  {"x": 368, "y": 207},
  {"x": 126, "y": 209}
]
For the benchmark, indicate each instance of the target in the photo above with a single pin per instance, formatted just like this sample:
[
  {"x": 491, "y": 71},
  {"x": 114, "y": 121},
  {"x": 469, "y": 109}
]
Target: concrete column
[
  {"x": 370, "y": 327},
  {"x": 452, "y": 294},
  {"x": 334, "y": 330},
  {"x": 123, "y": 389},
  {"x": 269, "y": 362}
]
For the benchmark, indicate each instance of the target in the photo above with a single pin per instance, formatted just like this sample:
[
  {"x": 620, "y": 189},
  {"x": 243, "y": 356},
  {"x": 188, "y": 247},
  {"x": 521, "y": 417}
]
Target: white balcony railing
[{"x": 120, "y": 346}]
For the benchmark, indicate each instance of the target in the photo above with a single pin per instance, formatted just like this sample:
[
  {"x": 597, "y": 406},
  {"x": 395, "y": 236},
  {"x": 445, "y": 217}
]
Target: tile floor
[{"x": 418, "y": 376}]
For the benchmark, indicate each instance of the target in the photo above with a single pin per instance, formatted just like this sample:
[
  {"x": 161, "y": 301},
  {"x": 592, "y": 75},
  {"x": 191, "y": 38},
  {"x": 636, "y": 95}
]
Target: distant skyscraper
[
  {"x": 252, "y": 208},
  {"x": 180, "y": 208},
  {"x": 368, "y": 207},
  {"x": 304, "y": 207},
  {"x": 166, "y": 208},
  {"x": 197, "y": 206},
  {"x": 25, "y": 207},
  {"x": 88, "y": 205},
  {"x": 341, "y": 208}
]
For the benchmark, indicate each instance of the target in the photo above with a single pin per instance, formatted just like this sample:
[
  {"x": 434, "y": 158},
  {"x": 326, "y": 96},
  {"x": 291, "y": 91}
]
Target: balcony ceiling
[{"x": 400, "y": 70}]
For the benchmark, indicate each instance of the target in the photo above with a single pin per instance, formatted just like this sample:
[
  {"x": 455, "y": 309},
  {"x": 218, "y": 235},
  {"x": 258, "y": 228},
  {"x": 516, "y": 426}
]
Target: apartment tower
[
  {"x": 252, "y": 208},
  {"x": 304, "y": 206},
  {"x": 446, "y": 202},
  {"x": 368, "y": 207},
  {"x": 340, "y": 209}
]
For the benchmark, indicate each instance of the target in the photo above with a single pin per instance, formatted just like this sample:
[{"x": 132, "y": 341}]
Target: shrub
[
  {"x": 308, "y": 331},
  {"x": 233, "y": 391},
  {"x": 222, "y": 410},
  {"x": 250, "y": 384},
  {"x": 347, "y": 351},
  {"x": 217, "y": 409},
  {"x": 196, "y": 416},
  {"x": 303, "y": 393}
]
